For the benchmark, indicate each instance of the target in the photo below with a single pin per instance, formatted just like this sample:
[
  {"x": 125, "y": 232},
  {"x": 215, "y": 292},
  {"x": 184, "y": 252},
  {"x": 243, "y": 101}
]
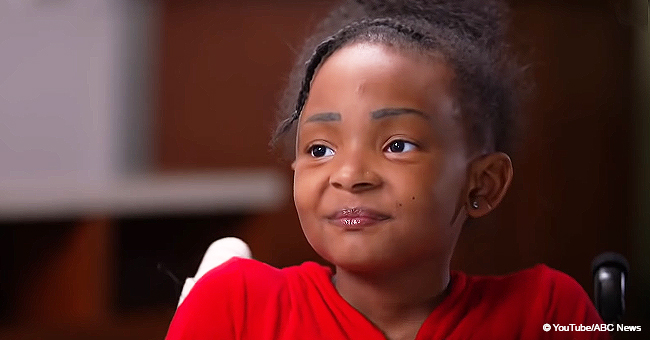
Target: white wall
[
  {"x": 77, "y": 84},
  {"x": 75, "y": 88}
]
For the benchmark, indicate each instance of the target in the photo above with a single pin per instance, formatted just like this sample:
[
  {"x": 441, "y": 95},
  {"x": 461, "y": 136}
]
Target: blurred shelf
[{"x": 223, "y": 192}]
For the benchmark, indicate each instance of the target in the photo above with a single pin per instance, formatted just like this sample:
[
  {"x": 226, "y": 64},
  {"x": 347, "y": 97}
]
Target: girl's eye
[
  {"x": 318, "y": 151},
  {"x": 400, "y": 146}
]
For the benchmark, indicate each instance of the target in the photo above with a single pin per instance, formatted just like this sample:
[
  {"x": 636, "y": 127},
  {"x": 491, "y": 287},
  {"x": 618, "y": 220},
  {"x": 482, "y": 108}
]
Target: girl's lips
[{"x": 356, "y": 218}]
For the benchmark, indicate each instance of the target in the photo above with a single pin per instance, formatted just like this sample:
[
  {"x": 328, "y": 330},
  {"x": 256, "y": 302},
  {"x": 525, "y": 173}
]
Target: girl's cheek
[{"x": 303, "y": 187}]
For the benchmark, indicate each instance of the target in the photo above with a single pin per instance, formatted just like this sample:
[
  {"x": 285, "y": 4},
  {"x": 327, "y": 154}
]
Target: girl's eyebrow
[
  {"x": 388, "y": 112},
  {"x": 324, "y": 117},
  {"x": 377, "y": 114}
]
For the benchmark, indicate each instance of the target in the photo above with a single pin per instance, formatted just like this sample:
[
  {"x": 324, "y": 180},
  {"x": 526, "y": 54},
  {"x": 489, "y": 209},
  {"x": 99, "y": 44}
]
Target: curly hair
[{"x": 469, "y": 34}]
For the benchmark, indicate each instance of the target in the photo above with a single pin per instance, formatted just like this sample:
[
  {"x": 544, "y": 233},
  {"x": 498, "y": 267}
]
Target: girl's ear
[{"x": 489, "y": 180}]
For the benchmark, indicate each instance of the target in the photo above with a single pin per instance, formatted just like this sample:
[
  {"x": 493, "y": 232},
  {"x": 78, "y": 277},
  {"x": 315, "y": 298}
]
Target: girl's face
[{"x": 381, "y": 160}]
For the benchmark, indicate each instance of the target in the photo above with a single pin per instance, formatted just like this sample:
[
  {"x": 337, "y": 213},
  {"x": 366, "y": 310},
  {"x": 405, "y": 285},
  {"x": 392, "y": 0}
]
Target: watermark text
[{"x": 598, "y": 327}]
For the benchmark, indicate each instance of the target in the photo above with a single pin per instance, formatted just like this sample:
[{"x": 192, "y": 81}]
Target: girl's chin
[{"x": 361, "y": 265}]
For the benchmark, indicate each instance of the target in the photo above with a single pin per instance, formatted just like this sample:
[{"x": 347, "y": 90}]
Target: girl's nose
[{"x": 355, "y": 173}]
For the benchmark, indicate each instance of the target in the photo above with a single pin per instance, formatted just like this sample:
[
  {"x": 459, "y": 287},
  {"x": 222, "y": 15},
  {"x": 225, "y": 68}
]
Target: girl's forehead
[
  {"x": 379, "y": 76},
  {"x": 384, "y": 59}
]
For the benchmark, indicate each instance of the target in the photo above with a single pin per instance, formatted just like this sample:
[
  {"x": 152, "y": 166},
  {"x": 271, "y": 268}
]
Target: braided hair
[{"x": 469, "y": 34}]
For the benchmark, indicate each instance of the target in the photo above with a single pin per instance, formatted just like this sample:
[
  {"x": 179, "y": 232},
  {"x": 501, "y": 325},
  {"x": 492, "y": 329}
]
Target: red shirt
[{"x": 247, "y": 299}]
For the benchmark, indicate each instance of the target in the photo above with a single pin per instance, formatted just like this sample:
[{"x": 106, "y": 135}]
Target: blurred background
[{"x": 134, "y": 133}]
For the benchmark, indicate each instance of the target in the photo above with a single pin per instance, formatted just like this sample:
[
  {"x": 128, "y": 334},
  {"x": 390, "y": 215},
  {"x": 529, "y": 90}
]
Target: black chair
[{"x": 610, "y": 271}]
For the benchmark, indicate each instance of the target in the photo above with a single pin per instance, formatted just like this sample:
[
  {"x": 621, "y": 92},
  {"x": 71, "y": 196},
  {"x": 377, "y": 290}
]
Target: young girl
[{"x": 400, "y": 120}]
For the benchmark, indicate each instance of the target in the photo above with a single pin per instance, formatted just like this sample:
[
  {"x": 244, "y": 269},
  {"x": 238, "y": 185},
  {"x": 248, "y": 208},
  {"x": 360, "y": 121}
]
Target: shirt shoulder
[
  {"x": 239, "y": 270},
  {"x": 222, "y": 300},
  {"x": 564, "y": 302},
  {"x": 248, "y": 299},
  {"x": 558, "y": 289},
  {"x": 535, "y": 282},
  {"x": 517, "y": 305},
  {"x": 568, "y": 300}
]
